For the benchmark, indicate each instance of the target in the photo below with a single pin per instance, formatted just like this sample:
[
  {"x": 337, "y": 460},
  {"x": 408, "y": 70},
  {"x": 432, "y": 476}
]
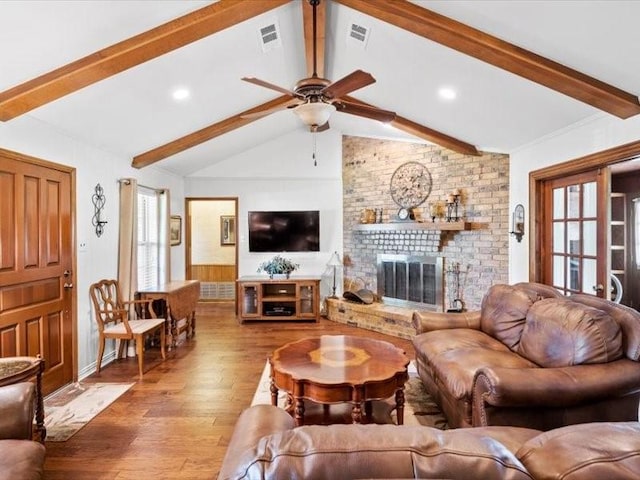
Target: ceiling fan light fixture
[{"x": 314, "y": 113}]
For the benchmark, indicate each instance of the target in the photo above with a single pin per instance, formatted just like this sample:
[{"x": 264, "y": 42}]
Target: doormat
[
  {"x": 419, "y": 406},
  {"x": 72, "y": 407}
]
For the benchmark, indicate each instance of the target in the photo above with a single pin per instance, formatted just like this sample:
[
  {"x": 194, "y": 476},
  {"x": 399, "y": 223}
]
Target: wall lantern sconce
[
  {"x": 518, "y": 222},
  {"x": 98, "y": 205},
  {"x": 334, "y": 263}
]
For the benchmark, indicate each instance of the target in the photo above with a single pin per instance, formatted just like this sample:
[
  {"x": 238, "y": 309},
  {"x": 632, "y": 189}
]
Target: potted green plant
[{"x": 278, "y": 265}]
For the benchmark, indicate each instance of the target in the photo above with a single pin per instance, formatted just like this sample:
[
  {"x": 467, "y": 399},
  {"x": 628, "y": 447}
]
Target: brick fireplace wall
[{"x": 481, "y": 251}]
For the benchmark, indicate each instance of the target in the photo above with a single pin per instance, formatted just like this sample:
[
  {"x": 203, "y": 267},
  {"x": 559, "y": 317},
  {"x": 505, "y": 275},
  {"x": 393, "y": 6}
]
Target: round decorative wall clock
[{"x": 410, "y": 187}]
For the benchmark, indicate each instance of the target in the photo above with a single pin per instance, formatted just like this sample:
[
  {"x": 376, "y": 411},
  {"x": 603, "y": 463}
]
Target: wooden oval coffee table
[{"x": 339, "y": 368}]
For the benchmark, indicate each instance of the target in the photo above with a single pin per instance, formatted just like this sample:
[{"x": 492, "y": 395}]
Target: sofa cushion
[
  {"x": 383, "y": 451},
  {"x": 503, "y": 312},
  {"x": 628, "y": 318},
  {"x": 454, "y": 356},
  {"x": 559, "y": 332},
  {"x": 434, "y": 343},
  {"x": 590, "y": 451}
]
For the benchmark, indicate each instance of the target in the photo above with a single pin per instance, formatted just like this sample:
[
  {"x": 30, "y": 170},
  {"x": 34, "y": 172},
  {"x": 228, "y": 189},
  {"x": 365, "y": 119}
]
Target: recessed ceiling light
[
  {"x": 447, "y": 93},
  {"x": 181, "y": 94}
]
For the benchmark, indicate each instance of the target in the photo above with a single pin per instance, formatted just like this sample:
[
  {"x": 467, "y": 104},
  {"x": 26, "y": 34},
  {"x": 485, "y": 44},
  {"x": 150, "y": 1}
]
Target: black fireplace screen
[{"x": 411, "y": 280}]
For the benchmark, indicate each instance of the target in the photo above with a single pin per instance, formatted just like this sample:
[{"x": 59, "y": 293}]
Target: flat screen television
[{"x": 294, "y": 231}]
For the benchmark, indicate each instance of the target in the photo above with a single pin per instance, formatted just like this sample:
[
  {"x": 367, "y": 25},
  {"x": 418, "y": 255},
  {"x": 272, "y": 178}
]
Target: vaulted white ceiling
[{"x": 133, "y": 112}]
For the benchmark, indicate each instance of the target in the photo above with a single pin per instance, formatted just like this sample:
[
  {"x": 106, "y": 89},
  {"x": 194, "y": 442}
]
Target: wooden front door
[
  {"x": 575, "y": 233},
  {"x": 36, "y": 260}
]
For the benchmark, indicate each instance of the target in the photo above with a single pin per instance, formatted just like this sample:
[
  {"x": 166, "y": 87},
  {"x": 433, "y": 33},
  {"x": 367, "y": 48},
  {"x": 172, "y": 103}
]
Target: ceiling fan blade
[
  {"x": 263, "y": 113},
  {"x": 348, "y": 84},
  {"x": 318, "y": 129},
  {"x": 262, "y": 83},
  {"x": 366, "y": 111}
]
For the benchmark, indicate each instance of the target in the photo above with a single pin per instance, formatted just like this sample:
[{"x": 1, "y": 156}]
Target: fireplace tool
[{"x": 456, "y": 305}]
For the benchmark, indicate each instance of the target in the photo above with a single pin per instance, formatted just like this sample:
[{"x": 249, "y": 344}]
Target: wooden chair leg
[
  {"x": 121, "y": 348},
  {"x": 162, "y": 341},
  {"x": 100, "y": 353},
  {"x": 174, "y": 333},
  {"x": 140, "y": 352}
]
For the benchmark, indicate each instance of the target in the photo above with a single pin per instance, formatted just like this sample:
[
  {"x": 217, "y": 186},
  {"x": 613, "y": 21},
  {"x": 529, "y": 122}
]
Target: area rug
[
  {"x": 419, "y": 408},
  {"x": 72, "y": 407}
]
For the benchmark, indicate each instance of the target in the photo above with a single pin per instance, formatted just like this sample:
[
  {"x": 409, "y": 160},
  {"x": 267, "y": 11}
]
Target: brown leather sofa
[
  {"x": 20, "y": 457},
  {"x": 531, "y": 357},
  {"x": 266, "y": 445}
]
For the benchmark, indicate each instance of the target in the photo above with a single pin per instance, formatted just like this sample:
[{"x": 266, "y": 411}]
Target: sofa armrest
[
  {"x": 554, "y": 387},
  {"x": 16, "y": 411},
  {"x": 429, "y": 321},
  {"x": 253, "y": 424}
]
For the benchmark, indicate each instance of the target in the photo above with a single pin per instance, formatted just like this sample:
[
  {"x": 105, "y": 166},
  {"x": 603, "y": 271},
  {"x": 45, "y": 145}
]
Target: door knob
[
  {"x": 598, "y": 288},
  {"x": 66, "y": 273},
  {"x": 68, "y": 285}
]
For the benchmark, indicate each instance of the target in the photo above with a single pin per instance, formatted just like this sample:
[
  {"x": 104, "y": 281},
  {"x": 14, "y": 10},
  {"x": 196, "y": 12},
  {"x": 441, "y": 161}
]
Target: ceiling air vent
[
  {"x": 270, "y": 36},
  {"x": 358, "y": 34}
]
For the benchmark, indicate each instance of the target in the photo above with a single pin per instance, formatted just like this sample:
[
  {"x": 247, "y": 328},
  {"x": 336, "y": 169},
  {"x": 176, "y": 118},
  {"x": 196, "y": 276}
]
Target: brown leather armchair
[{"x": 21, "y": 458}]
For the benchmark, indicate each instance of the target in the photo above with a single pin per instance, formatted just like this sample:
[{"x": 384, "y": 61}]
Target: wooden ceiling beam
[
  {"x": 425, "y": 133},
  {"x": 497, "y": 52},
  {"x": 205, "y": 134},
  {"x": 129, "y": 53},
  {"x": 321, "y": 20}
]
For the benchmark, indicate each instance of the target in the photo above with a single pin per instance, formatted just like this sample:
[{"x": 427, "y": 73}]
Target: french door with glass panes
[{"x": 575, "y": 234}]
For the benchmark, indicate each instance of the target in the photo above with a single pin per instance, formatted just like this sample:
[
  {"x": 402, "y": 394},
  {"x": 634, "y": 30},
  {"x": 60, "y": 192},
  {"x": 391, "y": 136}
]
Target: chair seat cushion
[{"x": 137, "y": 326}]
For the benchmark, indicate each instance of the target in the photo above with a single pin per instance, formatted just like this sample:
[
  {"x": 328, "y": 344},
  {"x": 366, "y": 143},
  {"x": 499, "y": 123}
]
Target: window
[{"x": 149, "y": 268}]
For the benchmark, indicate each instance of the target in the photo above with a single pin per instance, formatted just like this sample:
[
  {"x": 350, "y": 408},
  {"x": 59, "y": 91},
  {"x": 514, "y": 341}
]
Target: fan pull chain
[{"x": 315, "y": 162}]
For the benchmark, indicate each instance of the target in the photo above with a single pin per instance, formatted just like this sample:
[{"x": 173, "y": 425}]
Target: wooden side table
[
  {"x": 22, "y": 369},
  {"x": 179, "y": 299}
]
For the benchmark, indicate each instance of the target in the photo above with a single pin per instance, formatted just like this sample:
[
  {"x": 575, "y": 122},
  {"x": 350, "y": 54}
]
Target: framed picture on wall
[
  {"x": 227, "y": 230},
  {"x": 175, "y": 230}
]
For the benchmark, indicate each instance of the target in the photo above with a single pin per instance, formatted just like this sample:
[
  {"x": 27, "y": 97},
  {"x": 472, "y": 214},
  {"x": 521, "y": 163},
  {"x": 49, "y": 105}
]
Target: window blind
[{"x": 148, "y": 238}]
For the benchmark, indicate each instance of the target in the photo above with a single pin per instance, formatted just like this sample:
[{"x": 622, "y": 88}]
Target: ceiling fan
[{"x": 314, "y": 99}]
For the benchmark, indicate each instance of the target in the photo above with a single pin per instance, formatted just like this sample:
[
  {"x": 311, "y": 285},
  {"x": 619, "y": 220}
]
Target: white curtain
[{"x": 128, "y": 238}]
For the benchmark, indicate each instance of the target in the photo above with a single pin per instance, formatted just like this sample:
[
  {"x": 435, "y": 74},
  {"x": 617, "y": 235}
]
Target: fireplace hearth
[{"x": 410, "y": 280}]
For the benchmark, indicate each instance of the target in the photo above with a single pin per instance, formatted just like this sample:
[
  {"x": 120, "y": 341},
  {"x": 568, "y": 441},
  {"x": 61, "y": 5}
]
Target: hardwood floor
[{"x": 176, "y": 423}]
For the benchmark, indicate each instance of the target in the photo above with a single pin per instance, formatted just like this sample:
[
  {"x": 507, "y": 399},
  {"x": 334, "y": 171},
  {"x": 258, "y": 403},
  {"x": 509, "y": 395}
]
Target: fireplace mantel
[{"x": 396, "y": 226}]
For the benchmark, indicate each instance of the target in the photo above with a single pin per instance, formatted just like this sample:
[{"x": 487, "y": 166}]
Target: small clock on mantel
[{"x": 410, "y": 187}]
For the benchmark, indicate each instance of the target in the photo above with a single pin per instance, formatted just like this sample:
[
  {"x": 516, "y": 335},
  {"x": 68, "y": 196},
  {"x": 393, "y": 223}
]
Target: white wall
[
  {"x": 99, "y": 259},
  {"x": 595, "y": 134},
  {"x": 206, "y": 248},
  {"x": 280, "y": 175}
]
